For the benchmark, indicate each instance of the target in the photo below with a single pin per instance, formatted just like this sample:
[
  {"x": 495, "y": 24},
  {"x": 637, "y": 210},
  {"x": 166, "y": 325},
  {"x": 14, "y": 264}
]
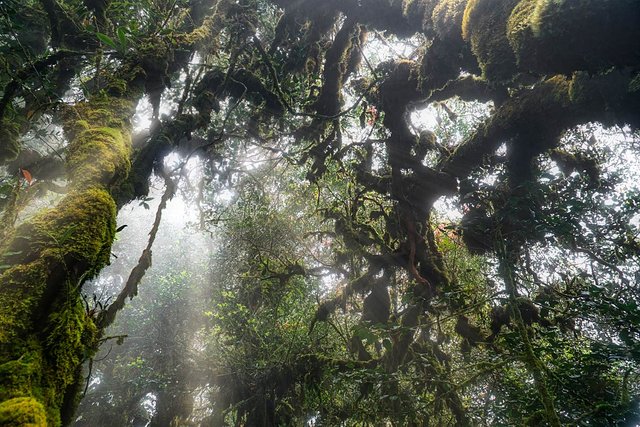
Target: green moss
[
  {"x": 560, "y": 36},
  {"x": 98, "y": 112},
  {"x": 45, "y": 333},
  {"x": 21, "y": 287},
  {"x": 76, "y": 236},
  {"x": 484, "y": 26},
  {"x": 71, "y": 338},
  {"x": 447, "y": 18},
  {"x": 49, "y": 369},
  {"x": 100, "y": 141},
  {"x": 22, "y": 412},
  {"x": 19, "y": 377},
  {"x": 64, "y": 342},
  {"x": 99, "y": 155}
]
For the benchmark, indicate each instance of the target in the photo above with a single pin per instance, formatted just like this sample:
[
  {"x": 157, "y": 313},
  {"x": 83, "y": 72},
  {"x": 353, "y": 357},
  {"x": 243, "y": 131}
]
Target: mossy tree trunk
[{"x": 45, "y": 332}]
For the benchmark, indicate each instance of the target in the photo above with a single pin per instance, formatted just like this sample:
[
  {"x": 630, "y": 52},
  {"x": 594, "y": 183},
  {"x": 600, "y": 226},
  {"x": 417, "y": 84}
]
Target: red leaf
[{"x": 27, "y": 175}]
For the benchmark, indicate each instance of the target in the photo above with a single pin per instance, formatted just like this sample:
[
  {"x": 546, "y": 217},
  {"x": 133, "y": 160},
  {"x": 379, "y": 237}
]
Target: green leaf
[
  {"x": 67, "y": 234},
  {"x": 122, "y": 37},
  {"x": 107, "y": 40}
]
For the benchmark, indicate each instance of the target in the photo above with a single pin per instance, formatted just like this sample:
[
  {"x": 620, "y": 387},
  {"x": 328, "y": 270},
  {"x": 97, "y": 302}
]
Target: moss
[
  {"x": 70, "y": 335},
  {"x": 587, "y": 90},
  {"x": 22, "y": 412},
  {"x": 71, "y": 338},
  {"x": 418, "y": 14},
  {"x": 563, "y": 36},
  {"x": 21, "y": 287},
  {"x": 76, "y": 236},
  {"x": 100, "y": 141},
  {"x": 484, "y": 26},
  {"x": 98, "y": 112},
  {"x": 20, "y": 376},
  {"x": 45, "y": 333},
  {"x": 447, "y": 18},
  {"x": 99, "y": 155},
  {"x": 49, "y": 369},
  {"x": 610, "y": 94},
  {"x": 533, "y": 119}
]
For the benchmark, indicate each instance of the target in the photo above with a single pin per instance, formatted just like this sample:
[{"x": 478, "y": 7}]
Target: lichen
[{"x": 484, "y": 27}]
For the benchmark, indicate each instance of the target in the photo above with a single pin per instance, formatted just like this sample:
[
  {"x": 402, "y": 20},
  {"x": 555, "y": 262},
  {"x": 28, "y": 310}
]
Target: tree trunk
[{"x": 45, "y": 331}]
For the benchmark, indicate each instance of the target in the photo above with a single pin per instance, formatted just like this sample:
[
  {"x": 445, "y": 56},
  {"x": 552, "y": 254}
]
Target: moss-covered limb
[
  {"x": 545, "y": 108},
  {"x": 359, "y": 285},
  {"x": 47, "y": 373},
  {"x": 71, "y": 242},
  {"x": 384, "y": 15},
  {"x": 46, "y": 258},
  {"x": 22, "y": 411},
  {"x": 57, "y": 20},
  {"x": 44, "y": 331},
  {"x": 335, "y": 68},
  {"x": 20, "y": 198},
  {"x": 99, "y": 141},
  {"x": 41, "y": 168},
  {"x": 564, "y": 36},
  {"x": 152, "y": 152},
  {"x": 533, "y": 120},
  {"x": 484, "y": 27},
  {"x": 38, "y": 67},
  {"x": 470, "y": 88}
]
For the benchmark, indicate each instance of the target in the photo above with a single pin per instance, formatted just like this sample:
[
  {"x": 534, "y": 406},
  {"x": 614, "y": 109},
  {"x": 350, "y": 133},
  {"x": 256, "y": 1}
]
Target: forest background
[{"x": 292, "y": 212}]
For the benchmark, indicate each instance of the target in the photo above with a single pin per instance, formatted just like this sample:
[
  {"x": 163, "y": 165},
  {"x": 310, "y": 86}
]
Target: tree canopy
[{"x": 416, "y": 212}]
